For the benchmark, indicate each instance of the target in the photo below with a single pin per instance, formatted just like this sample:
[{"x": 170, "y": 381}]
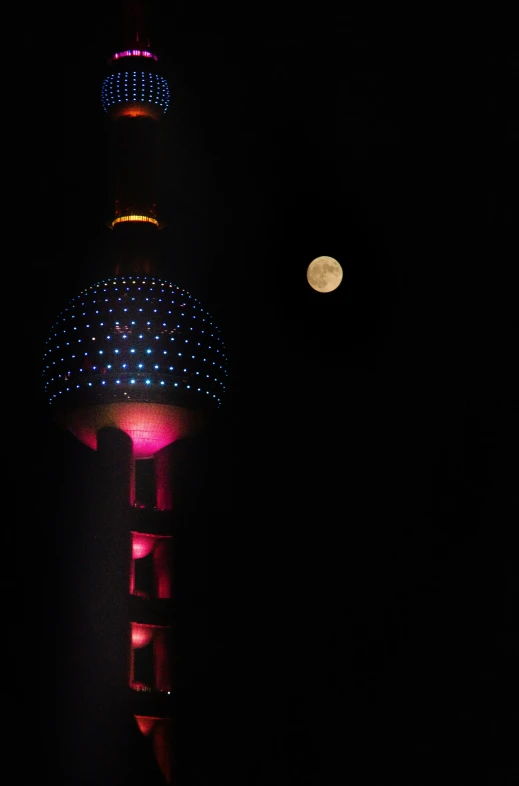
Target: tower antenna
[{"x": 135, "y": 32}]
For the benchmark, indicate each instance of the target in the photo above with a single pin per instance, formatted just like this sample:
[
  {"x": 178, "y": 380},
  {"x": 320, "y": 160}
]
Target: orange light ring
[{"x": 145, "y": 219}]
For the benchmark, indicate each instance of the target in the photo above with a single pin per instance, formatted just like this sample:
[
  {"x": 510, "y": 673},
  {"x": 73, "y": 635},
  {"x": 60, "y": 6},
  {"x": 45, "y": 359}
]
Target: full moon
[{"x": 324, "y": 274}]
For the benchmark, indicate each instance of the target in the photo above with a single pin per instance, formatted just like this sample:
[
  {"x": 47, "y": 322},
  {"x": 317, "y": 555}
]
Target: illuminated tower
[{"x": 133, "y": 364}]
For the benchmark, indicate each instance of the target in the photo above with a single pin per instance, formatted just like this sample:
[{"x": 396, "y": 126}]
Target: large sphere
[{"x": 136, "y": 353}]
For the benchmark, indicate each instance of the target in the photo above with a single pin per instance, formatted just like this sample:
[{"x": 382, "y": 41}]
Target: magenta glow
[{"x": 134, "y": 53}]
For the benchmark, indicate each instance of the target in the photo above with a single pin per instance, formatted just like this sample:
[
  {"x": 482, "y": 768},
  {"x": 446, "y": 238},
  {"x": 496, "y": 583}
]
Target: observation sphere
[
  {"x": 136, "y": 353},
  {"x": 135, "y": 93}
]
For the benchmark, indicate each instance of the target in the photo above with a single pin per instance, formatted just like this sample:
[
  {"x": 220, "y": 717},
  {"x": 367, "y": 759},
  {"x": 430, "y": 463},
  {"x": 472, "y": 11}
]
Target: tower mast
[{"x": 134, "y": 25}]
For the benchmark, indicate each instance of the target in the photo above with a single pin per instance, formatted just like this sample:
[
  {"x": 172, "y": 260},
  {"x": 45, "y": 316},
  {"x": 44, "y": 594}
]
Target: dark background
[{"x": 348, "y": 598}]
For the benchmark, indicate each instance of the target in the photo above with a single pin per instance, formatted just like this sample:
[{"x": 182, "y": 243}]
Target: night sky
[{"x": 349, "y": 594}]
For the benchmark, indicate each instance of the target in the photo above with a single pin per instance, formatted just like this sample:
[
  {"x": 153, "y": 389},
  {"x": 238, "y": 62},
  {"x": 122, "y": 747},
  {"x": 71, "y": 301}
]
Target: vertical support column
[
  {"x": 113, "y": 557},
  {"x": 163, "y": 478},
  {"x": 132, "y": 667},
  {"x": 162, "y": 659},
  {"x": 162, "y": 567},
  {"x": 132, "y": 575},
  {"x": 132, "y": 483},
  {"x": 162, "y": 747}
]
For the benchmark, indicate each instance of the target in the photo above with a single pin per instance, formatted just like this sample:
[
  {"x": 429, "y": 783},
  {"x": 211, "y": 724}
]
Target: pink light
[
  {"x": 150, "y": 426},
  {"x": 141, "y": 635},
  {"x": 134, "y": 53},
  {"x": 142, "y": 545}
]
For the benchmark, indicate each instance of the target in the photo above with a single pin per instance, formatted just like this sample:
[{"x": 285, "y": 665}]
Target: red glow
[
  {"x": 150, "y": 426},
  {"x": 142, "y": 545},
  {"x": 140, "y": 686},
  {"x": 145, "y": 724},
  {"x": 136, "y": 109},
  {"x": 162, "y": 746},
  {"x": 141, "y": 635}
]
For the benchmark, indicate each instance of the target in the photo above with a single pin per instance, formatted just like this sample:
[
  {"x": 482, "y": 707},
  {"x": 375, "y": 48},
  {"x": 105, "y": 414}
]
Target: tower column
[
  {"x": 162, "y": 659},
  {"x": 163, "y": 478},
  {"x": 162, "y": 747},
  {"x": 132, "y": 481},
  {"x": 132, "y": 576},
  {"x": 113, "y": 546},
  {"x": 162, "y": 565}
]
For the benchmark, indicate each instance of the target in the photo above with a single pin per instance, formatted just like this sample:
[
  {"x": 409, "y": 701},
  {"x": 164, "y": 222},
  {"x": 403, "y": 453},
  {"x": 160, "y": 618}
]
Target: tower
[{"x": 133, "y": 364}]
